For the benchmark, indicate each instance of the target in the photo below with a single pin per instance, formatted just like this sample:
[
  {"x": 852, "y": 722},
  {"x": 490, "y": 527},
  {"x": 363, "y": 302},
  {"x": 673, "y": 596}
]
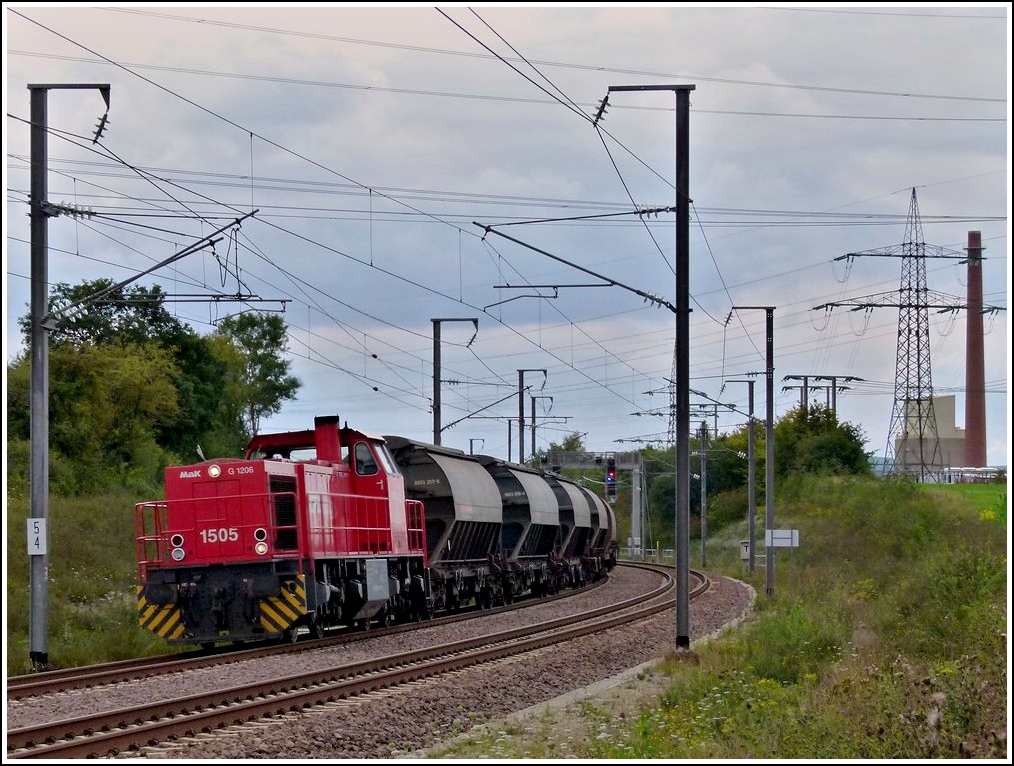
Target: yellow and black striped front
[
  {"x": 165, "y": 620},
  {"x": 280, "y": 612},
  {"x": 207, "y": 606}
]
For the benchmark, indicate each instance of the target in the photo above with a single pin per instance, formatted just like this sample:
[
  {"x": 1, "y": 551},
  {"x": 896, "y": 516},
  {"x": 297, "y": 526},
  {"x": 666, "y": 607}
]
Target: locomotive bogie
[
  {"x": 230, "y": 602},
  {"x": 361, "y": 591}
]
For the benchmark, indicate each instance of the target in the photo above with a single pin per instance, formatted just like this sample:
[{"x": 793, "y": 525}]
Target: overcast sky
[{"x": 367, "y": 149}]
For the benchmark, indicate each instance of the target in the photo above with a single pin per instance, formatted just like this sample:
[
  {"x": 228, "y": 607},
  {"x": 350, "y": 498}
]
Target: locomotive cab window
[
  {"x": 365, "y": 464},
  {"x": 296, "y": 454},
  {"x": 387, "y": 459}
]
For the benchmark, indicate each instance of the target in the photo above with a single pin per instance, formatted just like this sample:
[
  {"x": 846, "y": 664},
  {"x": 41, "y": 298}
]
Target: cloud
[{"x": 371, "y": 141}]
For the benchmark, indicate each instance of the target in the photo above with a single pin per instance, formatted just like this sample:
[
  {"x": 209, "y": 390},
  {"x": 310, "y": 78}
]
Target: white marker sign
[
  {"x": 37, "y": 537},
  {"x": 781, "y": 538}
]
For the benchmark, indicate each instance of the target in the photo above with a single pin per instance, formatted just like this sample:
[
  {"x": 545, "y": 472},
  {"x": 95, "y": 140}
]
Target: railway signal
[{"x": 611, "y": 479}]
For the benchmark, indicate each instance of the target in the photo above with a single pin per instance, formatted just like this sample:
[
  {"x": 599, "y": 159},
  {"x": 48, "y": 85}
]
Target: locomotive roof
[{"x": 298, "y": 439}]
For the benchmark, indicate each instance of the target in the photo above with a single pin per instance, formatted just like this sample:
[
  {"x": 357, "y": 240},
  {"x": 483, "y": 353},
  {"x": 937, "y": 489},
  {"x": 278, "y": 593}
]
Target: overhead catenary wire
[{"x": 413, "y": 213}]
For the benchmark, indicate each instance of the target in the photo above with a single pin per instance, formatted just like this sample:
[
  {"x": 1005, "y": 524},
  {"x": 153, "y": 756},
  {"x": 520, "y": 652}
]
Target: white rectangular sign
[
  {"x": 781, "y": 538},
  {"x": 36, "y": 537}
]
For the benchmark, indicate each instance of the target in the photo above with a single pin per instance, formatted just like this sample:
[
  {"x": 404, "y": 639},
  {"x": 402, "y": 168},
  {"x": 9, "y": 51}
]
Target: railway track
[
  {"x": 91, "y": 676},
  {"x": 134, "y": 728}
]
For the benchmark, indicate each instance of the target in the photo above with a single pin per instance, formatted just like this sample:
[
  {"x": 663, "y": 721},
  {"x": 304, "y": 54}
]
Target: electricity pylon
[
  {"x": 913, "y": 442},
  {"x": 671, "y": 436}
]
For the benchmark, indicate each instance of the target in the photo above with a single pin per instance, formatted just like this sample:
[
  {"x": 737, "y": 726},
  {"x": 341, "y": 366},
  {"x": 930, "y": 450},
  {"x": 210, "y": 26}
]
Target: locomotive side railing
[
  {"x": 361, "y": 524},
  {"x": 153, "y": 533},
  {"x": 417, "y": 528},
  {"x": 150, "y": 545}
]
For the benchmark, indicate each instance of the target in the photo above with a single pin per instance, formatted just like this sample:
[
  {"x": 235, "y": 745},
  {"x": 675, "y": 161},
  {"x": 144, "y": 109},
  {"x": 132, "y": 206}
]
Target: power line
[{"x": 541, "y": 62}]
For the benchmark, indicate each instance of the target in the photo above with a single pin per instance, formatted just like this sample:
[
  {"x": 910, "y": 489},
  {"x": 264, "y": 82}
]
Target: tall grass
[
  {"x": 989, "y": 499},
  {"x": 91, "y": 606},
  {"x": 886, "y": 637}
]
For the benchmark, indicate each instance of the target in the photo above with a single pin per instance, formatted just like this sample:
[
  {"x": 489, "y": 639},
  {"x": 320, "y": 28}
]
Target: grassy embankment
[
  {"x": 886, "y": 637},
  {"x": 91, "y": 605}
]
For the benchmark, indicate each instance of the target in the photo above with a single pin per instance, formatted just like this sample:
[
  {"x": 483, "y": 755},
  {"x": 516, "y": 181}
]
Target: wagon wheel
[{"x": 317, "y": 629}]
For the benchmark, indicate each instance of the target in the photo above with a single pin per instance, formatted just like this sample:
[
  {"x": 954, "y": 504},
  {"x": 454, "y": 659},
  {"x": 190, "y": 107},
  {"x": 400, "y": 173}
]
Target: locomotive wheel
[
  {"x": 388, "y": 618},
  {"x": 317, "y": 629},
  {"x": 290, "y": 635}
]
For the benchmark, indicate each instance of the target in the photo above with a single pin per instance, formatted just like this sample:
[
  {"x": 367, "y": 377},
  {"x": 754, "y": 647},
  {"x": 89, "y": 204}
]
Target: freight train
[{"x": 335, "y": 527}]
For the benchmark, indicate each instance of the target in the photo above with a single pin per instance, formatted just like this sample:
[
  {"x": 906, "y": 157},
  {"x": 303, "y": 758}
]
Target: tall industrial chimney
[{"x": 975, "y": 375}]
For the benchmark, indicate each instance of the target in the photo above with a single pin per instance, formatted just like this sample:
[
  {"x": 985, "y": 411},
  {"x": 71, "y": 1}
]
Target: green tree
[
  {"x": 230, "y": 434},
  {"x": 812, "y": 441},
  {"x": 659, "y": 465},
  {"x": 572, "y": 442},
  {"x": 204, "y": 371},
  {"x": 265, "y": 384},
  {"x": 728, "y": 467},
  {"x": 106, "y": 403},
  {"x": 98, "y": 312},
  {"x": 216, "y": 379}
]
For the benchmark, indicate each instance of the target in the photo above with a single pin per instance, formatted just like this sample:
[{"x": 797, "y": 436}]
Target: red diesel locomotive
[{"x": 337, "y": 527}]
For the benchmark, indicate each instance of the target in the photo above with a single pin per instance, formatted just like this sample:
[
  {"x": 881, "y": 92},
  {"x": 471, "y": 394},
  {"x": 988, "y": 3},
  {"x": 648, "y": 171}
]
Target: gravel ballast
[{"x": 405, "y": 722}]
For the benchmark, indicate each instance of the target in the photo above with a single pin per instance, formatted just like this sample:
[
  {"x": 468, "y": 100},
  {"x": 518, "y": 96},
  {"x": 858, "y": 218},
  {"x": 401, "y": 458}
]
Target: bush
[{"x": 729, "y": 507}]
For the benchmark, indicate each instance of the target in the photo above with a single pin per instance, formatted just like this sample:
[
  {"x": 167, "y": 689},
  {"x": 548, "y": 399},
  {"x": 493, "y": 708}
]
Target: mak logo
[{"x": 190, "y": 474}]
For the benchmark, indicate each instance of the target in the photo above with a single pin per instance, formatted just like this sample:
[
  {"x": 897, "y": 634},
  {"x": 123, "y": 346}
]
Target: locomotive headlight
[
  {"x": 214, "y": 471},
  {"x": 261, "y": 548},
  {"x": 178, "y": 554},
  {"x": 176, "y": 540}
]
